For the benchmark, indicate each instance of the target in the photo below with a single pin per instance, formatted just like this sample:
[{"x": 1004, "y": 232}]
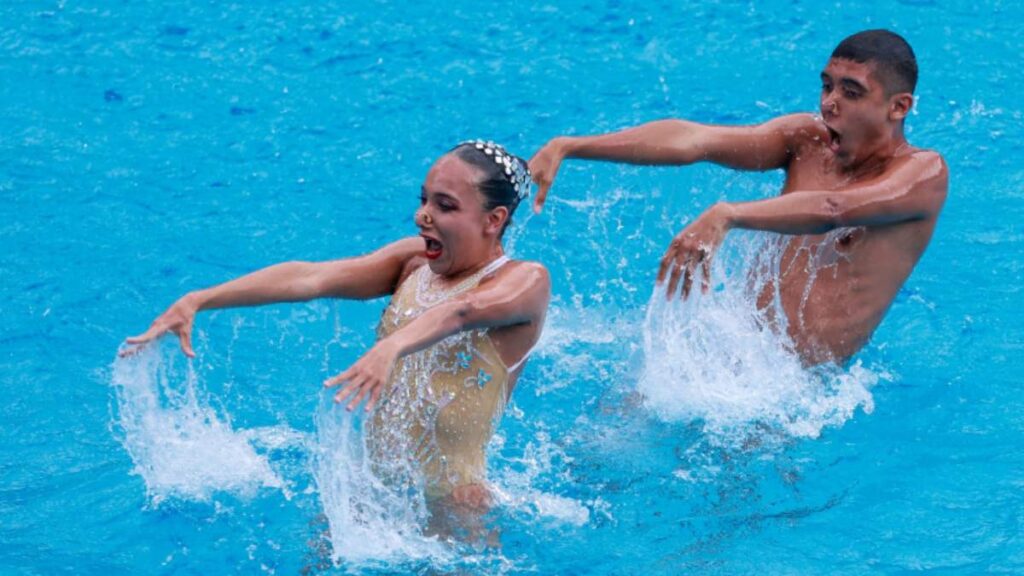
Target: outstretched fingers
[
  {"x": 682, "y": 264},
  {"x": 374, "y": 396},
  {"x": 338, "y": 379},
  {"x": 364, "y": 388},
  {"x": 154, "y": 331},
  {"x": 543, "y": 185},
  {"x": 185, "y": 340},
  {"x": 346, "y": 392},
  {"x": 689, "y": 271},
  {"x": 705, "y": 266},
  {"x": 675, "y": 263},
  {"x": 667, "y": 261},
  {"x": 137, "y": 343}
]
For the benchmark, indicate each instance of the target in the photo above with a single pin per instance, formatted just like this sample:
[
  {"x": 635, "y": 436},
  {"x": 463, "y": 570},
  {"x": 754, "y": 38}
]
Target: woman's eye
[{"x": 423, "y": 199}]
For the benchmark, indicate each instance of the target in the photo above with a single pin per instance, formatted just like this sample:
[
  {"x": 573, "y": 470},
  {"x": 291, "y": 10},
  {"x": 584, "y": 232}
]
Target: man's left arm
[{"x": 914, "y": 191}]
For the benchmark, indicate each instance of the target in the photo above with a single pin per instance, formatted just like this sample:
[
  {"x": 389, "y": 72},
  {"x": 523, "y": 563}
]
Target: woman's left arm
[{"x": 521, "y": 297}]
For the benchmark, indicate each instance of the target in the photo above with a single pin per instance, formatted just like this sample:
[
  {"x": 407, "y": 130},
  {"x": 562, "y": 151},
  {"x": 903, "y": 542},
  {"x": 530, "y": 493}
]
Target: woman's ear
[{"x": 496, "y": 220}]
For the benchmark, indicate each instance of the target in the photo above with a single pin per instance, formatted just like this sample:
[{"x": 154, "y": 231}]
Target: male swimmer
[
  {"x": 851, "y": 171},
  {"x": 451, "y": 343}
]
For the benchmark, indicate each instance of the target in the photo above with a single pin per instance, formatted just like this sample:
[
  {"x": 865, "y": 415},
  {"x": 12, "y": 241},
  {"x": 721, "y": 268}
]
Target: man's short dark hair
[{"x": 895, "y": 63}]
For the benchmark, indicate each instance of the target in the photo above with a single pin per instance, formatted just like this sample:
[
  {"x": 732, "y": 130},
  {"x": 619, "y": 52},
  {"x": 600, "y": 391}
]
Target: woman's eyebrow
[{"x": 442, "y": 194}]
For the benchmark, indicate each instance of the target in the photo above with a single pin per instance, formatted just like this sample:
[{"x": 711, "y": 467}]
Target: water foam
[
  {"x": 515, "y": 485},
  {"x": 713, "y": 358},
  {"x": 178, "y": 443},
  {"x": 369, "y": 522}
]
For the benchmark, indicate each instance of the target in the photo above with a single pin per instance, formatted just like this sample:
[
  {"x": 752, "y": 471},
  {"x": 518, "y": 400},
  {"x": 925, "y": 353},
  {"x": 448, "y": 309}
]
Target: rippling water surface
[{"x": 150, "y": 149}]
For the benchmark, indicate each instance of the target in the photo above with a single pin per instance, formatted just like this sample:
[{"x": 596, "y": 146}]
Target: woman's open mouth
[{"x": 434, "y": 248}]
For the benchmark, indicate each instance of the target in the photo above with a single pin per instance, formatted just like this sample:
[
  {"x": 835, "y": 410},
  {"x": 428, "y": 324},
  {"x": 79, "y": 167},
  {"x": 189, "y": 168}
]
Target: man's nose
[{"x": 829, "y": 104}]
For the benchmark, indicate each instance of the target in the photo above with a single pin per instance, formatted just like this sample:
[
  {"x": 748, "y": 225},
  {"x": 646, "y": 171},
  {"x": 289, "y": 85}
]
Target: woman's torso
[{"x": 441, "y": 405}]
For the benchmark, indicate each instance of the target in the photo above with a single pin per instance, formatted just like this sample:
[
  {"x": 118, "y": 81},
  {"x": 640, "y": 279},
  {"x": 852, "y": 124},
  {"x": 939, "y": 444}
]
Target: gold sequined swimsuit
[{"x": 441, "y": 405}]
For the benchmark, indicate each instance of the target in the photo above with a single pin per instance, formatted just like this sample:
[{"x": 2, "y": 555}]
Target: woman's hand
[
  {"x": 177, "y": 319},
  {"x": 367, "y": 376}
]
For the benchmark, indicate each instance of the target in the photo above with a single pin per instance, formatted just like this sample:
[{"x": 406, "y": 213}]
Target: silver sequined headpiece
[{"x": 515, "y": 170}]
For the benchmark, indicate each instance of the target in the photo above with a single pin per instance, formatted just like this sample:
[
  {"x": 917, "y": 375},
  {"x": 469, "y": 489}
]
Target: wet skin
[
  {"x": 858, "y": 206},
  {"x": 458, "y": 237},
  {"x": 836, "y": 288}
]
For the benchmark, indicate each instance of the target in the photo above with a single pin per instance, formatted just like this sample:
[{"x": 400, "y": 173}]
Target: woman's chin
[{"x": 438, "y": 265}]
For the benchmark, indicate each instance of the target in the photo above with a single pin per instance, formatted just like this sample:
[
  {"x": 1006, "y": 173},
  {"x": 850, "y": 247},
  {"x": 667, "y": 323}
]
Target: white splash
[
  {"x": 369, "y": 522},
  {"x": 515, "y": 491},
  {"x": 179, "y": 445},
  {"x": 712, "y": 358}
]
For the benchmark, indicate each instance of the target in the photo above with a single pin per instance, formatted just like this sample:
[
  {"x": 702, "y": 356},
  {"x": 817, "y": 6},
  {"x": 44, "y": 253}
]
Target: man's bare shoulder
[
  {"x": 933, "y": 176},
  {"x": 927, "y": 157},
  {"x": 920, "y": 176},
  {"x": 925, "y": 165}
]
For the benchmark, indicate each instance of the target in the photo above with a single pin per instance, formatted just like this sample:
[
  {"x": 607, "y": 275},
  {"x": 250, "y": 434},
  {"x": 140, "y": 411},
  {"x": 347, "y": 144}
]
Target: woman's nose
[{"x": 422, "y": 217}]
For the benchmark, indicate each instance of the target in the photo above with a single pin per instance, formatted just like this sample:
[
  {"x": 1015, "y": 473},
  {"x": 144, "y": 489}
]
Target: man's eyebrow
[{"x": 851, "y": 83}]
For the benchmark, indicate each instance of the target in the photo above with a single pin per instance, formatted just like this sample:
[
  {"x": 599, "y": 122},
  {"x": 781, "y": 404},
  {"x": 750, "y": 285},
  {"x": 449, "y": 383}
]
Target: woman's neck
[{"x": 481, "y": 263}]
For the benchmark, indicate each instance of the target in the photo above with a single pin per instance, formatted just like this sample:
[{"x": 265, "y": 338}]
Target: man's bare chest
[{"x": 814, "y": 171}]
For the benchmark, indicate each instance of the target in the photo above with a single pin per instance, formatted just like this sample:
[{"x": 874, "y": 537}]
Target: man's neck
[{"x": 879, "y": 158}]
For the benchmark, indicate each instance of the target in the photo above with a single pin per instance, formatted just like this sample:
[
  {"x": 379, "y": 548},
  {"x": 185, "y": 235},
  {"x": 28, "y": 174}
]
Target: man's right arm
[{"x": 765, "y": 146}]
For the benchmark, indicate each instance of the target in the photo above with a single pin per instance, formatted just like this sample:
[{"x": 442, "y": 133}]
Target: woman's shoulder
[
  {"x": 527, "y": 266},
  {"x": 525, "y": 271}
]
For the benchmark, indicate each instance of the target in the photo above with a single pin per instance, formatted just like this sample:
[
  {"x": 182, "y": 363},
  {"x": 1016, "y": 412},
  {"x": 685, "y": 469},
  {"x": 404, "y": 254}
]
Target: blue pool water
[{"x": 147, "y": 149}]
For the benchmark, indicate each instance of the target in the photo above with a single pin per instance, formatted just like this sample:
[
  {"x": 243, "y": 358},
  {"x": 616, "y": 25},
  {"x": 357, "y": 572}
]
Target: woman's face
[{"x": 460, "y": 234}]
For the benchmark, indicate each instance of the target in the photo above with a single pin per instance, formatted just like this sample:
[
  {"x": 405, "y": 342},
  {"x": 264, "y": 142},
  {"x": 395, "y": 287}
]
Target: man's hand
[
  {"x": 472, "y": 497},
  {"x": 366, "y": 377},
  {"x": 544, "y": 167},
  {"x": 177, "y": 319},
  {"x": 695, "y": 246}
]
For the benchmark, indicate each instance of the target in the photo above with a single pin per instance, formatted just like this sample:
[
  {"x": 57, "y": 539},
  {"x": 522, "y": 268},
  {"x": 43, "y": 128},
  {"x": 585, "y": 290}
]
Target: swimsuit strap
[
  {"x": 427, "y": 296},
  {"x": 494, "y": 265},
  {"x": 520, "y": 362}
]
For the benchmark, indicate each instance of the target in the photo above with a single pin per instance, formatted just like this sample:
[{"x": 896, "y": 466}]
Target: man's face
[{"x": 855, "y": 109}]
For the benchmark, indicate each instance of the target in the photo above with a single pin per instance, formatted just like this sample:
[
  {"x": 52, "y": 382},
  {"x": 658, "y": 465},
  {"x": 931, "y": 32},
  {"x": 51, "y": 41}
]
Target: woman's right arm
[{"x": 369, "y": 276}]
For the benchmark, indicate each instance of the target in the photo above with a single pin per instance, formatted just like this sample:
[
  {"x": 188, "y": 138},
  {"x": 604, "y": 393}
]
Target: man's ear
[
  {"x": 496, "y": 220},
  {"x": 900, "y": 105}
]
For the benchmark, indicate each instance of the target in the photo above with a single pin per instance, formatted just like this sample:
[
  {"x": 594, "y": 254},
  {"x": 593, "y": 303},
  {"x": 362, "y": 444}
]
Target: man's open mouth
[
  {"x": 834, "y": 139},
  {"x": 434, "y": 247}
]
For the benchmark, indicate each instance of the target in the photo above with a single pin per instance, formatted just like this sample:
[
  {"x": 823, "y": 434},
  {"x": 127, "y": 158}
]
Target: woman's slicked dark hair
[
  {"x": 495, "y": 186},
  {"x": 894, "y": 60}
]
